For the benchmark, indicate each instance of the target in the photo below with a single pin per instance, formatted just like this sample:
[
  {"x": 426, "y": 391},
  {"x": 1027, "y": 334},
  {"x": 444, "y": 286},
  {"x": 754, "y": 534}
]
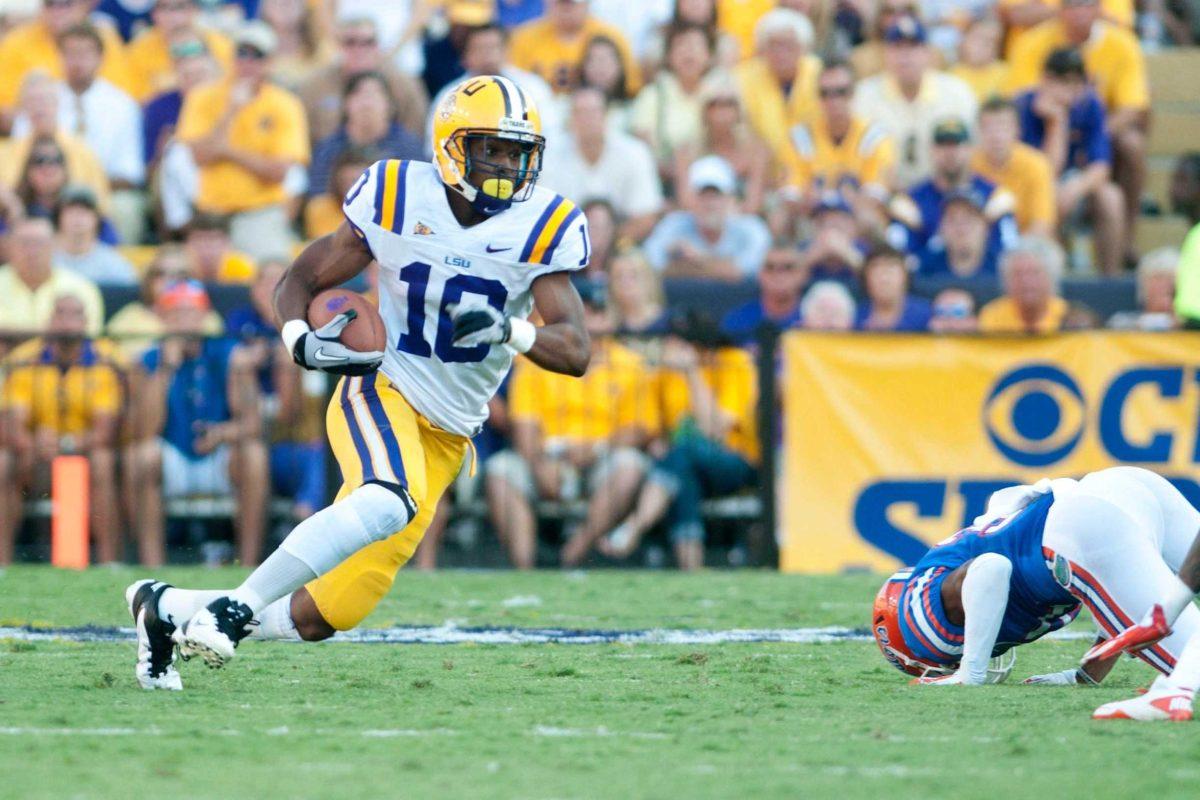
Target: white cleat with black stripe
[
  {"x": 156, "y": 647},
  {"x": 214, "y": 631}
]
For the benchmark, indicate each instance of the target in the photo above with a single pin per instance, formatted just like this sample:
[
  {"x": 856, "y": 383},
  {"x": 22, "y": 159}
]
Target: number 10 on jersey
[{"x": 413, "y": 341}]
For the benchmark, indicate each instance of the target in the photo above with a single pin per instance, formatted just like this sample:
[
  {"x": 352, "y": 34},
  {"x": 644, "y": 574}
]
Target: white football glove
[
  {"x": 321, "y": 349},
  {"x": 1068, "y": 677}
]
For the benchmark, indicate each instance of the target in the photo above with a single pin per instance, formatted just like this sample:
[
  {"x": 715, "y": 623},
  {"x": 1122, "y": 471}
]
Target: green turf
[{"x": 557, "y": 721}]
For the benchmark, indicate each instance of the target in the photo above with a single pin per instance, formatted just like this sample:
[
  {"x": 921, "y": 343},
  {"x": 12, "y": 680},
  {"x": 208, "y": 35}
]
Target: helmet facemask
[{"x": 500, "y": 185}]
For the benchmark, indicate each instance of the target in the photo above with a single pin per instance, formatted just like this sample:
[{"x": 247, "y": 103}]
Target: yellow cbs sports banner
[{"x": 892, "y": 443}]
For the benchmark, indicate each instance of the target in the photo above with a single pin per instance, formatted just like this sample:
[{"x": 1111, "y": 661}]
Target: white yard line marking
[
  {"x": 454, "y": 634},
  {"x": 600, "y": 732}
]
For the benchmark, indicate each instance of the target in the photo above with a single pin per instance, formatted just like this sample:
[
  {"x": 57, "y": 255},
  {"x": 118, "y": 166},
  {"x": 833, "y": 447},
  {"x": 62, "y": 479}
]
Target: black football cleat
[{"x": 156, "y": 647}]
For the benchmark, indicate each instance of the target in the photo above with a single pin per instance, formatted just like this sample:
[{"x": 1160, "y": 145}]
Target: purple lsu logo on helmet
[{"x": 335, "y": 304}]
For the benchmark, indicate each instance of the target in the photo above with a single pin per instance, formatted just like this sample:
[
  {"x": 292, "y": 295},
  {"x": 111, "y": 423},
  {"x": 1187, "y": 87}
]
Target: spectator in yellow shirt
[
  {"x": 737, "y": 19},
  {"x": 1019, "y": 16},
  {"x": 779, "y": 85},
  {"x": 62, "y": 397},
  {"x": 553, "y": 47},
  {"x": 1115, "y": 67},
  {"x": 570, "y": 436},
  {"x": 246, "y": 134},
  {"x": 174, "y": 22},
  {"x": 1024, "y": 171},
  {"x": 840, "y": 151},
  {"x": 34, "y": 45},
  {"x": 709, "y": 399},
  {"x": 211, "y": 256},
  {"x": 31, "y": 282},
  {"x": 1030, "y": 274}
]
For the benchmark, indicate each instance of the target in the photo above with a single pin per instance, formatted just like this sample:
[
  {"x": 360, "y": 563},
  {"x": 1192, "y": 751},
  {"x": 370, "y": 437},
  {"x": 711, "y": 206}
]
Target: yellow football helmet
[{"x": 487, "y": 106}]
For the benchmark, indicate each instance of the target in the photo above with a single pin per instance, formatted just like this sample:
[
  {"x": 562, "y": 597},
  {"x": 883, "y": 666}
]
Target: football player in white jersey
[{"x": 466, "y": 247}]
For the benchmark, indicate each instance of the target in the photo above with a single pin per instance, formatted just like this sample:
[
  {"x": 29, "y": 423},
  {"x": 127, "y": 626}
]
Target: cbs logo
[{"x": 1035, "y": 415}]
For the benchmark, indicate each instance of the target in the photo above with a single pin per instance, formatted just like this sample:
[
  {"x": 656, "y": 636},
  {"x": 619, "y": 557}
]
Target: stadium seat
[
  {"x": 1173, "y": 74},
  {"x": 1174, "y": 132}
]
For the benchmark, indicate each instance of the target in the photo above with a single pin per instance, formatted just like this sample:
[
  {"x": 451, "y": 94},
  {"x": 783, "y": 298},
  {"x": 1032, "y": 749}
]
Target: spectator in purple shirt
[
  {"x": 780, "y": 282},
  {"x": 888, "y": 305},
  {"x": 1065, "y": 119}
]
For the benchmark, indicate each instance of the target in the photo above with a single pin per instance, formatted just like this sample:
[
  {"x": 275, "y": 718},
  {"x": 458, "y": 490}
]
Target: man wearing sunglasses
[{"x": 245, "y": 135}]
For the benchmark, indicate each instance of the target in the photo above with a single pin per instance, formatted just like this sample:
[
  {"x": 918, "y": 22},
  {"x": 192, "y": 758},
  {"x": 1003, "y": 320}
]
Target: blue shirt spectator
[
  {"x": 914, "y": 316},
  {"x": 198, "y": 394},
  {"x": 780, "y": 282},
  {"x": 888, "y": 305},
  {"x": 1088, "y": 140},
  {"x": 964, "y": 245},
  {"x": 511, "y": 13}
]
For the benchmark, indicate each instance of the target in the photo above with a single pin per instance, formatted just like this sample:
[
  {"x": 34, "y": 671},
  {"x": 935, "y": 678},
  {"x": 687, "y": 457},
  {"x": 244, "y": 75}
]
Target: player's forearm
[
  {"x": 325, "y": 263},
  {"x": 562, "y": 347},
  {"x": 984, "y": 599}
]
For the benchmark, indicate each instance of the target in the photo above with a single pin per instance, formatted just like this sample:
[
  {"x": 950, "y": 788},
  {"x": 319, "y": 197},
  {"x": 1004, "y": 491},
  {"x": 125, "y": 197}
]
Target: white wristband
[
  {"x": 293, "y": 329},
  {"x": 522, "y": 334}
]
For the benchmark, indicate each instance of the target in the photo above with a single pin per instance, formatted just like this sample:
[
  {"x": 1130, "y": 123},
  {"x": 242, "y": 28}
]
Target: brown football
[{"x": 365, "y": 333}]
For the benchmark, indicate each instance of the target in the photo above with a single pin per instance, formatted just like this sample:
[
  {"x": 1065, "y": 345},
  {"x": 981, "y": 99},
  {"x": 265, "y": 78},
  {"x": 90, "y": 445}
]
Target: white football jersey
[{"x": 428, "y": 262}]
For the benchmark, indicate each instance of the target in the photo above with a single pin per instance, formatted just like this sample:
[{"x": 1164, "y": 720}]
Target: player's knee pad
[
  {"x": 369, "y": 514},
  {"x": 383, "y": 508}
]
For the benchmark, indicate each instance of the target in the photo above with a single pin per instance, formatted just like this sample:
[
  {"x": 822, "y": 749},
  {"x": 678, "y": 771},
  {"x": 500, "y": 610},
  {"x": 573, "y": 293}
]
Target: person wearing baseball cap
[
  {"x": 960, "y": 246},
  {"x": 910, "y": 96},
  {"x": 920, "y": 212},
  {"x": 246, "y": 134},
  {"x": 712, "y": 240}
]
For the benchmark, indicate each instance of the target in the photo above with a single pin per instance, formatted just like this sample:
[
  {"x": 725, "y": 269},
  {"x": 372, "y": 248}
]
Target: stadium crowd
[{"x": 838, "y": 165}]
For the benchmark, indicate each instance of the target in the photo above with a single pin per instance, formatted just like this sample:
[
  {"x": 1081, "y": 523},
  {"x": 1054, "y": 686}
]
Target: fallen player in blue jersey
[{"x": 1111, "y": 541}]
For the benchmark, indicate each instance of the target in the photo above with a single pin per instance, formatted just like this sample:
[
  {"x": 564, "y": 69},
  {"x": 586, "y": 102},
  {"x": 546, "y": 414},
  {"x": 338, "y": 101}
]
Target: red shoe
[
  {"x": 1150, "y": 631},
  {"x": 1161, "y": 705}
]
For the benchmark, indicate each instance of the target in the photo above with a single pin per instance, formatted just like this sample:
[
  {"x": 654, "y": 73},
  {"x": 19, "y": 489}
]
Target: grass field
[{"x": 759, "y": 720}]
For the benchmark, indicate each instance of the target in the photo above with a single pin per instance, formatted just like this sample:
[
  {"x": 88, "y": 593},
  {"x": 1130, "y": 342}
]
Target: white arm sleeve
[{"x": 984, "y": 598}]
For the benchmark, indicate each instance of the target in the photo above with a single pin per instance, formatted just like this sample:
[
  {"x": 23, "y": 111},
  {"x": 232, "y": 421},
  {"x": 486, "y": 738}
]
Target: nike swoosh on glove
[
  {"x": 321, "y": 349},
  {"x": 475, "y": 325}
]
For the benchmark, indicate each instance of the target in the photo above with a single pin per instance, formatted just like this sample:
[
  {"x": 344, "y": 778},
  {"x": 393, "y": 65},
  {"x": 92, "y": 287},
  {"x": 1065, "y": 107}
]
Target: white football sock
[
  {"x": 1186, "y": 674},
  {"x": 275, "y": 622},
  {"x": 369, "y": 514},
  {"x": 177, "y": 606},
  {"x": 1177, "y": 598},
  {"x": 984, "y": 598}
]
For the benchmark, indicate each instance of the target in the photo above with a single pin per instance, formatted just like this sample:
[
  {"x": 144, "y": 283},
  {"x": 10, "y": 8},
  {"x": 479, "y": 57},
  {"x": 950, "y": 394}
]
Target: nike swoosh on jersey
[{"x": 491, "y": 249}]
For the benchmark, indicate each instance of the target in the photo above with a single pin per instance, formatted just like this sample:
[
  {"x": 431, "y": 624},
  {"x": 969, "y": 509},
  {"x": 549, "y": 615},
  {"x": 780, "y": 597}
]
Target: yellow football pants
[{"x": 377, "y": 436}]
